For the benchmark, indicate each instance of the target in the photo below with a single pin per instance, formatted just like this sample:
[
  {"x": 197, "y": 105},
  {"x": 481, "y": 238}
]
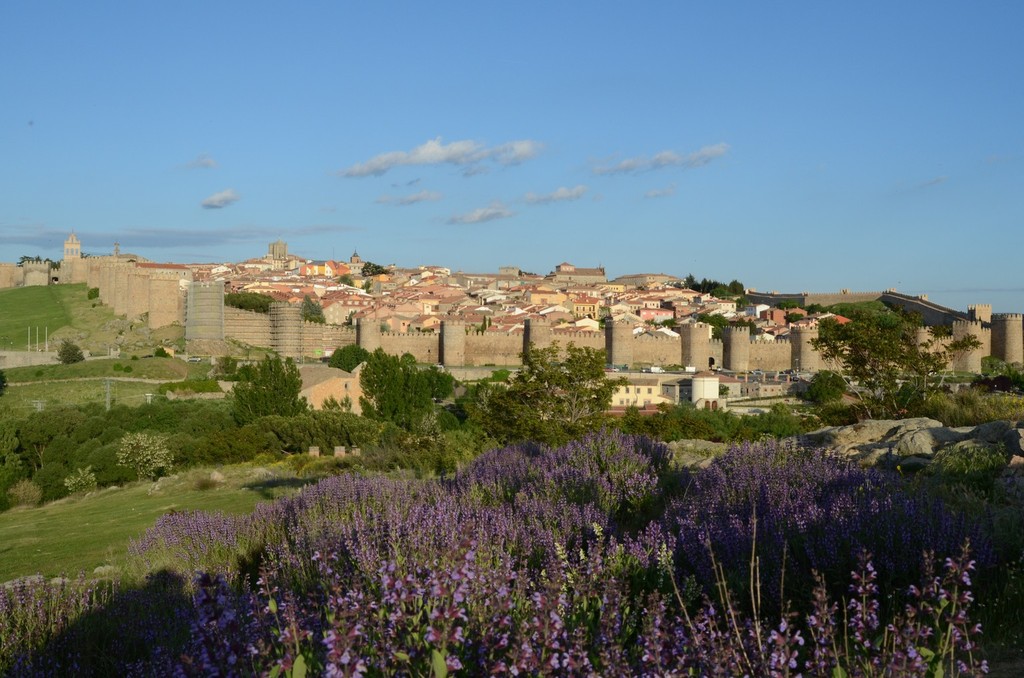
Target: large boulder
[
  {"x": 911, "y": 444},
  {"x": 926, "y": 441}
]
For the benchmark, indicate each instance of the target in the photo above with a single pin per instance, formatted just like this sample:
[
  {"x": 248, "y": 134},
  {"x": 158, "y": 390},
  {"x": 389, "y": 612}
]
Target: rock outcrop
[{"x": 911, "y": 444}]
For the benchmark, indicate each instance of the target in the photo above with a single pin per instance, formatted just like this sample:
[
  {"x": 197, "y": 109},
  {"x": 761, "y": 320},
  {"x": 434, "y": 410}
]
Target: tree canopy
[
  {"x": 348, "y": 357},
  {"x": 312, "y": 311},
  {"x": 395, "y": 389},
  {"x": 552, "y": 399},
  {"x": 882, "y": 354},
  {"x": 269, "y": 387},
  {"x": 69, "y": 353},
  {"x": 370, "y": 268},
  {"x": 249, "y": 301}
]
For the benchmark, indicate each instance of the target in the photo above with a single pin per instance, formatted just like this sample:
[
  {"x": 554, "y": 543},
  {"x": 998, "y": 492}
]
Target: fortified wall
[
  {"x": 1001, "y": 335},
  {"x": 165, "y": 294}
]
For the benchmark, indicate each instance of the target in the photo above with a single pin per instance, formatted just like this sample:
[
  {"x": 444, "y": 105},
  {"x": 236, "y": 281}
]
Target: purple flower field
[{"x": 596, "y": 558}]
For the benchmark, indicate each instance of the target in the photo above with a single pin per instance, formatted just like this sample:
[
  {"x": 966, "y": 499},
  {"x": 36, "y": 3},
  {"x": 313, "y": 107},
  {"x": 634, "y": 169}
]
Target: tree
[
  {"x": 717, "y": 322},
  {"x": 552, "y": 399},
  {"x": 826, "y": 387},
  {"x": 249, "y": 301},
  {"x": 3, "y": 382},
  {"x": 146, "y": 454},
  {"x": 370, "y": 268},
  {"x": 348, "y": 357},
  {"x": 882, "y": 354},
  {"x": 312, "y": 311},
  {"x": 269, "y": 387},
  {"x": 346, "y": 279},
  {"x": 395, "y": 390},
  {"x": 69, "y": 353}
]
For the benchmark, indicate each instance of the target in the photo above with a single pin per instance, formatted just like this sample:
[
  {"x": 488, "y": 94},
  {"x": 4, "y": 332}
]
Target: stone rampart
[
  {"x": 137, "y": 298},
  {"x": 424, "y": 346},
  {"x": 167, "y": 298},
  {"x": 247, "y": 327},
  {"x": 119, "y": 280},
  {"x": 10, "y": 276},
  {"x": 771, "y": 356},
  {"x": 654, "y": 350},
  {"x": 493, "y": 348}
]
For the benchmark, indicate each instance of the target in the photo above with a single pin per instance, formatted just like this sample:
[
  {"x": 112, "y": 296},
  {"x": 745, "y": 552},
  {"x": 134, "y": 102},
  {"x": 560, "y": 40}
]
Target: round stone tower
[
  {"x": 286, "y": 329},
  {"x": 802, "y": 353},
  {"x": 1008, "y": 337},
  {"x": 737, "y": 348},
  {"x": 368, "y": 333},
  {"x": 696, "y": 345},
  {"x": 618, "y": 342},
  {"x": 537, "y": 331},
  {"x": 453, "y": 343},
  {"x": 970, "y": 361}
]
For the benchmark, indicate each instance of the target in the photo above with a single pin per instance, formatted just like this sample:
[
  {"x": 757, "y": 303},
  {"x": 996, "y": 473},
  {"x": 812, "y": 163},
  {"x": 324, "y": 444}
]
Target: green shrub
[
  {"x": 82, "y": 480},
  {"x": 970, "y": 407},
  {"x": 93, "y": 293},
  {"x": 189, "y": 386},
  {"x": 25, "y": 493},
  {"x": 161, "y": 352},
  {"x": 146, "y": 454}
]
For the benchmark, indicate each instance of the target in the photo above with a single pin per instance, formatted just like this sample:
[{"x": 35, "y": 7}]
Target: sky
[{"x": 798, "y": 146}]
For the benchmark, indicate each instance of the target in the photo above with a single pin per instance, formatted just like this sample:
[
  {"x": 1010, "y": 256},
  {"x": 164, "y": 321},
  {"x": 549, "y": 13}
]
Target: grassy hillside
[
  {"x": 49, "y": 307},
  {"x": 84, "y": 382},
  {"x": 66, "y": 312},
  {"x": 83, "y": 533}
]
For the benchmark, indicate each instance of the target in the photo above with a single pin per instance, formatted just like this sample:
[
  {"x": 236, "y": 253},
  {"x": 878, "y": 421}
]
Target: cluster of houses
[{"x": 572, "y": 299}]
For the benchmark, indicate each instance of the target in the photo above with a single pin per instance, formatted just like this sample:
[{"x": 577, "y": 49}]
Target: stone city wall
[
  {"x": 771, "y": 356},
  {"x": 648, "y": 350},
  {"x": 424, "y": 346},
  {"x": 247, "y": 327},
  {"x": 492, "y": 348}
]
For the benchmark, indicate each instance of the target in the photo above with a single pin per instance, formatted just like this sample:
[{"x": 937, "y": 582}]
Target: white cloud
[
  {"x": 515, "y": 152},
  {"x": 496, "y": 210},
  {"x": 222, "y": 199},
  {"x": 202, "y": 161},
  {"x": 640, "y": 163},
  {"x": 558, "y": 195},
  {"x": 436, "y": 152},
  {"x": 422, "y": 196},
  {"x": 661, "y": 192}
]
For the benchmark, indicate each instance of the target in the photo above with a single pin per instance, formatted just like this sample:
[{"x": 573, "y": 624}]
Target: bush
[
  {"x": 161, "y": 352},
  {"x": 146, "y": 454},
  {"x": 25, "y": 493},
  {"x": 82, "y": 480},
  {"x": 188, "y": 386},
  {"x": 69, "y": 353},
  {"x": 93, "y": 293}
]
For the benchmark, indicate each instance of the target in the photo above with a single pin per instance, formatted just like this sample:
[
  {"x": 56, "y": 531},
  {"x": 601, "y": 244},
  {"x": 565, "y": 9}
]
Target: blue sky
[{"x": 794, "y": 146}]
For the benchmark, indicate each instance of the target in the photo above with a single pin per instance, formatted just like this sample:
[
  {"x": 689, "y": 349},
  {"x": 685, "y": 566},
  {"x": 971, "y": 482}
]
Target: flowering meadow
[{"x": 595, "y": 558}]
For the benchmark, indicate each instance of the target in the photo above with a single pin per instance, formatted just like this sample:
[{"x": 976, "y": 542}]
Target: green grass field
[
  {"x": 49, "y": 308},
  {"x": 84, "y": 382},
  {"x": 44, "y": 307},
  {"x": 66, "y": 312},
  {"x": 79, "y": 534}
]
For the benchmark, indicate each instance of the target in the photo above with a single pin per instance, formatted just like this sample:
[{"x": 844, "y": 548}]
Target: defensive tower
[
  {"x": 736, "y": 354},
  {"x": 1008, "y": 337}
]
